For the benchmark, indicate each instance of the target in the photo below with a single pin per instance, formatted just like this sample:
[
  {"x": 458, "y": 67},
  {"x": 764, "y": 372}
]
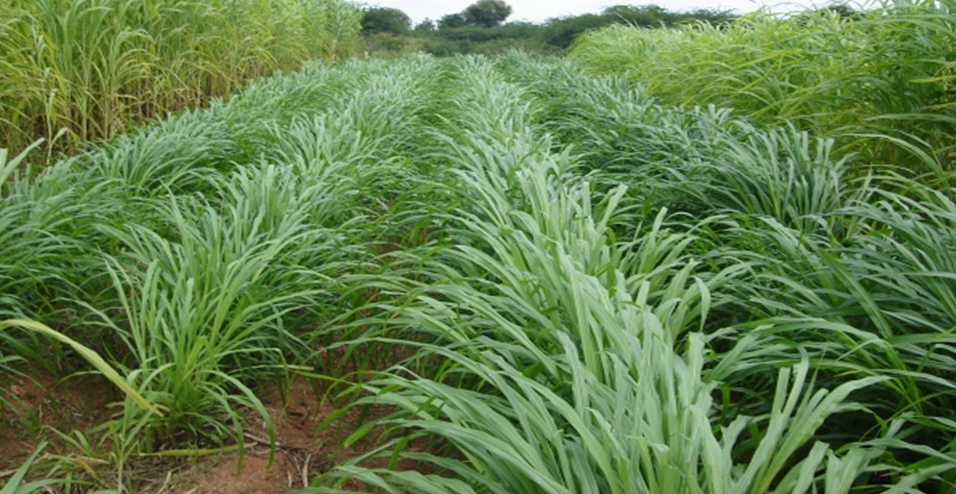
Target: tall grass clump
[
  {"x": 205, "y": 308},
  {"x": 92, "y": 68},
  {"x": 879, "y": 81}
]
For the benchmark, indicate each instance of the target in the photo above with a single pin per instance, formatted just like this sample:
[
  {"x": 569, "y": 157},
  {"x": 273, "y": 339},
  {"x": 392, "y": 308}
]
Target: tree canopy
[
  {"x": 451, "y": 21},
  {"x": 385, "y": 20},
  {"x": 426, "y": 26},
  {"x": 487, "y": 13},
  {"x": 481, "y": 28}
]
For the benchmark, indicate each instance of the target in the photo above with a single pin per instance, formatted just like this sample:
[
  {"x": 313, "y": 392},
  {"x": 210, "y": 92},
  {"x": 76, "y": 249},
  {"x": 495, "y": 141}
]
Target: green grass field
[
  {"x": 880, "y": 81},
  {"x": 73, "y": 71},
  {"x": 525, "y": 278}
]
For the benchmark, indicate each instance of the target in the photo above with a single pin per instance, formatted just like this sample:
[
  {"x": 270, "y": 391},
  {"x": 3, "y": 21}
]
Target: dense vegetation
[
  {"x": 698, "y": 260},
  {"x": 881, "y": 81},
  {"x": 599, "y": 292},
  {"x": 91, "y": 68},
  {"x": 389, "y": 31}
]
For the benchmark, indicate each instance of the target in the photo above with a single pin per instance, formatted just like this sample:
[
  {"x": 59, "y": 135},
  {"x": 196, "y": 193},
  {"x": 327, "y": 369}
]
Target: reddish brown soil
[
  {"x": 303, "y": 452},
  {"x": 256, "y": 477},
  {"x": 41, "y": 402},
  {"x": 36, "y": 403}
]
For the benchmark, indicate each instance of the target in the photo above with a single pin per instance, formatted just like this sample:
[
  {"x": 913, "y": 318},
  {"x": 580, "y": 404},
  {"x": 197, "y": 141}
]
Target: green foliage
[
  {"x": 385, "y": 45},
  {"x": 465, "y": 33},
  {"x": 486, "y": 13},
  {"x": 13, "y": 485},
  {"x": 562, "y": 32},
  {"x": 701, "y": 312},
  {"x": 195, "y": 265},
  {"x": 474, "y": 39},
  {"x": 591, "y": 290},
  {"x": 450, "y": 21},
  {"x": 91, "y": 68},
  {"x": 426, "y": 26},
  {"x": 385, "y": 20},
  {"x": 879, "y": 82}
]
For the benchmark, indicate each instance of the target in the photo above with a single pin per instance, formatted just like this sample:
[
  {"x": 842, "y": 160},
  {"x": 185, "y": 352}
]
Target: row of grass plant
[
  {"x": 879, "y": 81},
  {"x": 198, "y": 255},
  {"x": 86, "y": 70},
  {"x": 614, "y": 308}
]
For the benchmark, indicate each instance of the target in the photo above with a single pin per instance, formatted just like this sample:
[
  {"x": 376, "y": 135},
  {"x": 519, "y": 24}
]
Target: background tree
[
  {"x": 451, "y": 21},
  {"x": 385, "y": 20},
  {"x": 480, "y": 29},
  {"x": 426, "y": 26},
  {"x": 845, "y": 11},
  {"x": 642, "y": 16},
  {"x": 561, "y": 32},
  {"x": 487, "y": 13}
]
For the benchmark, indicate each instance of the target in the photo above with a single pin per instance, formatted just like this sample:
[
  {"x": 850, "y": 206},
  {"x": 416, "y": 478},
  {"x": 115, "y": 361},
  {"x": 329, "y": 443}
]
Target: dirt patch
[
  {"x": 36, "y": 402},
  {"x": 302, "y": 452},
  {"x": 257, "y": 476}
]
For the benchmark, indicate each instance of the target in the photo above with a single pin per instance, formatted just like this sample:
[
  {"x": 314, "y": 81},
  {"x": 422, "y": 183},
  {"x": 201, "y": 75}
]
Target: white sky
[{"x": 539, "y": 10}]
